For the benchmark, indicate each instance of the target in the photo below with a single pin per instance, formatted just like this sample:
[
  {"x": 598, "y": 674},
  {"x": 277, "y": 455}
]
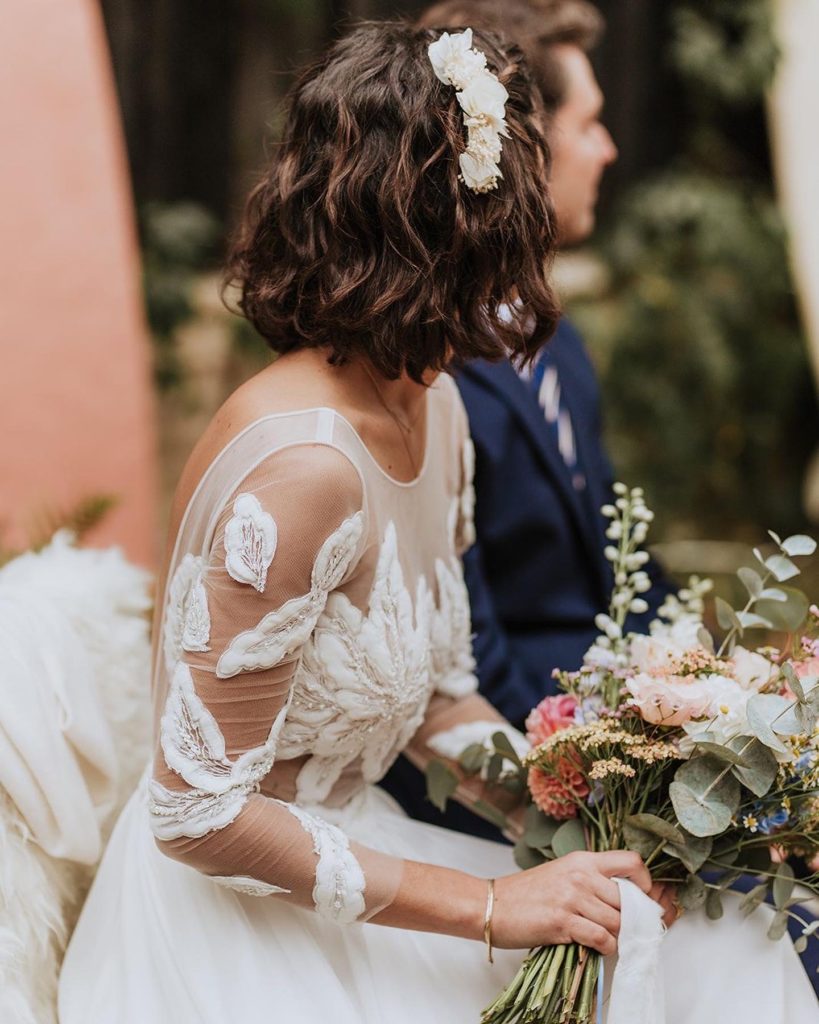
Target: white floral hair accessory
[{"x": 483, "y": 101}]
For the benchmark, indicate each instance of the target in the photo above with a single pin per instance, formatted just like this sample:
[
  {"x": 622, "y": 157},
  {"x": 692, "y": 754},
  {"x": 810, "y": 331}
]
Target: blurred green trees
[{"x": 708, "y": 395}]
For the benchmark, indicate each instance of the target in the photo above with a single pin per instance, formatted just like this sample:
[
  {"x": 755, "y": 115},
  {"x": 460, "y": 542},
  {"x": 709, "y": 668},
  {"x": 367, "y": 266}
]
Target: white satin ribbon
[{"x": 637, "y": 984}]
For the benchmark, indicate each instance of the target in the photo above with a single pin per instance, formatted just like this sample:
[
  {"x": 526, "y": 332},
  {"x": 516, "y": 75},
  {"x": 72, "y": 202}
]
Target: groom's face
[{"x": 581, "y": 147}]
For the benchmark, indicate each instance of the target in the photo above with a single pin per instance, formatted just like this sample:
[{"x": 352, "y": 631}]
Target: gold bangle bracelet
[{"x": 487, "y": 920}]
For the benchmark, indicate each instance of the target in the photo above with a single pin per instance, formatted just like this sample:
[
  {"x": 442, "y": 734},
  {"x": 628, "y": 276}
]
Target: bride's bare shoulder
[{"x": 287, "y": 385}]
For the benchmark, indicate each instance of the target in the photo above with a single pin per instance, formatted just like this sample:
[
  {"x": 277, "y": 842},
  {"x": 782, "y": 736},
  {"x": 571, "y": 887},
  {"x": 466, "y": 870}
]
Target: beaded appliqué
[
  {"x": 339, "y": 890},
  {"x": 187, "y": 620},
  {"x": 247, "y": 886},
  {"x": 285, "y": 630},
  {"x": 250, "y": 542},
  {"x": 194, "y": 747},
  {"x": 363, "y": 684}
]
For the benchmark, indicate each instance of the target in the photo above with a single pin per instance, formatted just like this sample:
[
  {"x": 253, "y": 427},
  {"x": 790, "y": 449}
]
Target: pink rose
[
  {"x": 805, "y": 668},
  {"x": 549, "y": 717},
  {"x": 669, "y": 700}
]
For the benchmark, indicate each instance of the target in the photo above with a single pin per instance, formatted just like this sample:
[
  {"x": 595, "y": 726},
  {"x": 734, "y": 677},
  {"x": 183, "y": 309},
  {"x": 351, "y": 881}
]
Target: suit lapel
[{"x": 504, "y": 381}]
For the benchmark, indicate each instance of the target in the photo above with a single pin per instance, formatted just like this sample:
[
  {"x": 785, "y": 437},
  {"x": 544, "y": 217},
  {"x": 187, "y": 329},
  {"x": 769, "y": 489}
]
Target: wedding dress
[{"x": 314, "y": 624}]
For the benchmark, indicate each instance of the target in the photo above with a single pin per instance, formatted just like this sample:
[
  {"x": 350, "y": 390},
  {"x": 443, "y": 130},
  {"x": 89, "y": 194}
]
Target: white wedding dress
[{"x": 315, "y": 621}]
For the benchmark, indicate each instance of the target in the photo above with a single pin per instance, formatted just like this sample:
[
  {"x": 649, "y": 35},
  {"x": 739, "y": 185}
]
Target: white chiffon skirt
[{"x": 159, "y": 943}]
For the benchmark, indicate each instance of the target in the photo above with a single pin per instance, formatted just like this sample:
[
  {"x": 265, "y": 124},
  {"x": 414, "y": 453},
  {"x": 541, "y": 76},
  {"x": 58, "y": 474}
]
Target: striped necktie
[{"x": 545, "y": 382}]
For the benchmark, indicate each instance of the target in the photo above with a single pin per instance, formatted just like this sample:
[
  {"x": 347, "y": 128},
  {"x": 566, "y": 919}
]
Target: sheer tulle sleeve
[{"x": 236, "y": 622}]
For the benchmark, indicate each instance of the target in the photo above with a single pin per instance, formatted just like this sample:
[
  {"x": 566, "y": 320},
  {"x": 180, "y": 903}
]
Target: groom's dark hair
[
  {"x": 362, "y": 239},
  {"x": 537, "y": 26}
]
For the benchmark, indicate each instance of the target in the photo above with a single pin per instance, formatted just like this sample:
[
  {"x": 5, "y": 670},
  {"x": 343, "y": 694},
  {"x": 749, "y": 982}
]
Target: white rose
[
  {"x": 653, "y": 653},
  {"x": 485, "y": 98},
  {"x": 453, "y": 59},
  {"x": 751, "y": 670},
  {"x": 479, "y": 175}
]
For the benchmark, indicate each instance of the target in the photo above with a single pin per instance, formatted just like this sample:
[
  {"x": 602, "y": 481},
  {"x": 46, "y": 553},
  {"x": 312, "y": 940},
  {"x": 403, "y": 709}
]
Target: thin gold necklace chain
[{"x": 404, "y": 429}]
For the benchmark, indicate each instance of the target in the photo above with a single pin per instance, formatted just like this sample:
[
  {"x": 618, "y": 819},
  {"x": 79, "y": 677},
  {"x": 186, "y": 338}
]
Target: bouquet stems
[{"x": 554, "y": 985}]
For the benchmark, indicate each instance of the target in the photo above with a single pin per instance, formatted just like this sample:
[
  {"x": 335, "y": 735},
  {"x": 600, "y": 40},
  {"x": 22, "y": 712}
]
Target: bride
[{"x": 314, "y": 623}]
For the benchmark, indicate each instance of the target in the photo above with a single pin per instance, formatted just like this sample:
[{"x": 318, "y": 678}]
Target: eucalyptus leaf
[
  {"x": 472, "y": 758},
  {"x": 704, "y": 799},
  {"x": 762, "y": 709},
  {"x": 800, "y": 944},
  {"x": 752, "y": 581},
  {"x": 781, "y": 567},
  {"x": 705, "y": 639},
  {"x": 504, "y": 745},
  {"x": 656, "y": 826},
  {"x": 779, "y": 925},
  {"x": 753, "y": 899},
  {"x": 693, "y": 894},
  {"x": 441, "y": 783},
  {"x": 750, "y": 620},
  {"x": 793, "y": 680},
  {"x": 773, "y": 594},
  {"x": 713, "y": 905},
  {"x": 783, "y": 885},
  {"x": 693, "y": 852},
  {"x": 759, "y": 767},
  {"x": 641, "y": 842},
  {"x": 787, "y": 615},
  {"x": 726, "y": 616},
  {"x": 569, "y": 838},
  {"x": 526, "y": 857},
  {"x": 798, "y": 544},
  {"x": 721, "y": 753},
  {"x": 494, "y": 767},
  {"x": 538, "y": 830},
  {"x": 775, "y": 538}
]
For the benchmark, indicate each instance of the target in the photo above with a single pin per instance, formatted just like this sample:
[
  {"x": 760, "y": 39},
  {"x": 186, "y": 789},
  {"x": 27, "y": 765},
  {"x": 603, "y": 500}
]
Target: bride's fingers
[
  {"x": 625, "y": 864},
  {"x": 595, "y": 936},
  {"x": 608, "y": 890},
  {"x": 597, "y": 911},
  {"x": 666, "y": 896}
]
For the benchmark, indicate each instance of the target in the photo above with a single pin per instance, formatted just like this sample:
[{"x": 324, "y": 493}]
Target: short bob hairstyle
[{"x": 361, "y": 239}]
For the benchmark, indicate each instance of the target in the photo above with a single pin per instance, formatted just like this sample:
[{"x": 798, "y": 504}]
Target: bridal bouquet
[{"x": 702, "y": 757}]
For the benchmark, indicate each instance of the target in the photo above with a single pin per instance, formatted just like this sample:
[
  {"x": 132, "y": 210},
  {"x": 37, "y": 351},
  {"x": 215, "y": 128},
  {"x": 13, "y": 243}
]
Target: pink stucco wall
[{"x": 76, "y": 405}]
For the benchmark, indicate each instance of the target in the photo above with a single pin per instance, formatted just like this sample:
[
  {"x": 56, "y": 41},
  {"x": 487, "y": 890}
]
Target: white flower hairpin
[{"x": 483, "y": 101}]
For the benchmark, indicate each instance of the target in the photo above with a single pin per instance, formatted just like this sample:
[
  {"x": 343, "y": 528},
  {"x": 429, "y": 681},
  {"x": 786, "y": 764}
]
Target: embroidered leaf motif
[
  {"x": 339, "y": 890},
  {"x": 196, "y": 629},
  {"x": 363, "y": 684},
  {"x": 189, "y": 570},
  {"x": 247, "y": 886},
  {"x": 194, "y": 746},
  {"x": 250, "y": 542},
  {"x": 283, "y": 631},
  {"x": 453, "y": 665}
]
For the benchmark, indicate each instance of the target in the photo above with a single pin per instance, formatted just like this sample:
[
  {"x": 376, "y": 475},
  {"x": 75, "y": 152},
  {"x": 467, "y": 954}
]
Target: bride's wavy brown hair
[{"x": 361, "y": 238}]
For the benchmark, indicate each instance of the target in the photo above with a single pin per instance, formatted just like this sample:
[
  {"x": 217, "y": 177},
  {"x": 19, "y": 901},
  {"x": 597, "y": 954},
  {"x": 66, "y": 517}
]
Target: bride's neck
[{"x": 362, "y": 387}]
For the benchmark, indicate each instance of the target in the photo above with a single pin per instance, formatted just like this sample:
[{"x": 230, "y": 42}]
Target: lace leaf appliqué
[
  {"x": 194, "y": 747},
  {"x": 283, "y": 631},
  {"x": 338, "y": 893},
  {"x": 187, "y": 621},
  {"x": 250, "y": 542},
  {"x": 247, "y": 886},
  {"x": 363, "y": 684}
]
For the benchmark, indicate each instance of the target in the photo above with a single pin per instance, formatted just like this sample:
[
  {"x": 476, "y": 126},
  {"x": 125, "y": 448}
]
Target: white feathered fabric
[{"x": 74, "y": 725}]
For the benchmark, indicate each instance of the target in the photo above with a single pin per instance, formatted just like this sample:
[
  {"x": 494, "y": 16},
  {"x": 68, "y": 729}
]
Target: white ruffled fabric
[
  {"x": 74, "y": 730},
  {"x": 637, "y": 986}
]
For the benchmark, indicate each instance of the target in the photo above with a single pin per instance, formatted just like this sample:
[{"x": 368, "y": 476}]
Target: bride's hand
[{"x": 571, "y": 899}]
